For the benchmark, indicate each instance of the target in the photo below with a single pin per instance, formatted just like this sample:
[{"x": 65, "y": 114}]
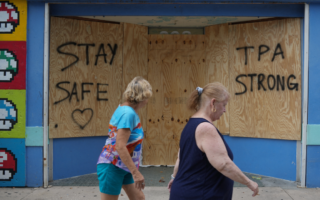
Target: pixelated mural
[
  {"x": 12, "y": 113},
  {"x": 8, "y": 115},
  {"x": 8, "y": 65},
  {"x": 13, "y": 35},
  {"x": 12, "y": 162},
  {"x": 13, "y": 20},
  {"x": 8, "y": 165},
  {"x": 9, "y": 17},
  {"x": 13, "y": 65}
]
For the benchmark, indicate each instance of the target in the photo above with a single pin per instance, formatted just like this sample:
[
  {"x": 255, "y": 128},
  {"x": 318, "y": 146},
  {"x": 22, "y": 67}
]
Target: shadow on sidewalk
[{"x": 160, "y": 177}]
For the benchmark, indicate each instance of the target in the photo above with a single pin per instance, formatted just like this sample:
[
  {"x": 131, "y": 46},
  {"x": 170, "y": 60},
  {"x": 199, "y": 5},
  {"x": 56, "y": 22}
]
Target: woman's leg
[
  {"x": 108, "y": 196},
  {"x": 132, "y": 192}
]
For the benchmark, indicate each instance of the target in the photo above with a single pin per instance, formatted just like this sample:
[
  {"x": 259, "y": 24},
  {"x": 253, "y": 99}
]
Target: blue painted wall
[
  {"x": 180, "y": 1},
  {"x": 34, "y": 88},
  {"x": 313, "y": 152},
  {"x": 239, "y": 10},
  {"x": 76, "y": 156},
  {"x": 313, "y": 166},
  {"x": 275, "y": 158},
  {"x": 314, "y": 65},
  {"x": 35, "y": 45},
  {"x": 34, "y": 169}
]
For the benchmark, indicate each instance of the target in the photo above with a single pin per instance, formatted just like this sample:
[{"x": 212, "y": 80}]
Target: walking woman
[
  {"x": 204, "y": 168},
  {"x": 118, "y": 163}
]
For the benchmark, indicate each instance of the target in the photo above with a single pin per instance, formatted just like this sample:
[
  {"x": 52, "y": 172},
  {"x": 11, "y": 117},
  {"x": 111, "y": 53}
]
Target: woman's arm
[
  {"x": 210, "y": 142},
  {"x": 176, "y": 166},
  {"x": 121, "y": 147},
  {"x": 175, "y": 171}
]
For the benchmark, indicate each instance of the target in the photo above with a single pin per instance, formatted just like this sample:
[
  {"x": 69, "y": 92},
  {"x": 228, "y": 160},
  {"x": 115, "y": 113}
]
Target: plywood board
[
  {"x": 171, "y": 42},
  {"x": 13, "y": 113},
  {"x": 153, "y": 152},
  {"x": 218, "y": 65},
  {"x": 173, "y": 71},
  {"x": 157, "y": 42},
  {"x": 265, "y": 87},
  {"x": 135, "y": 57},
  {"x": 85, "y": 76}
]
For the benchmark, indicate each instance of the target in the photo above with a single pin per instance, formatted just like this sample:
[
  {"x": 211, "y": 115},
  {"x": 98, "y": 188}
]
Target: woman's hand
[
  {"x": 254, "y": 187},
  {"x": 138, "y": 180},
  {"x": 122, "y": 139},
  {"x": 170, "y": 184}
]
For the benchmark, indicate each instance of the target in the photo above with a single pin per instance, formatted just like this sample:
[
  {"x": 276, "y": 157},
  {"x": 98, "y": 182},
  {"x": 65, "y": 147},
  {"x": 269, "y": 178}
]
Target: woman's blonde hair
[
  {"x": 137, "y": 90},
  {"x": 212, "y": 90}
]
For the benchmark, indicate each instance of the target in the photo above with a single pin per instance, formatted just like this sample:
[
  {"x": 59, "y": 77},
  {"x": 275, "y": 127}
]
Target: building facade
[{"x": 65, "y": 64}]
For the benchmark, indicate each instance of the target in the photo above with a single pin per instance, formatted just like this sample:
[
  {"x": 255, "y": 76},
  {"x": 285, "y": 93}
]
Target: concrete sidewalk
[
  {"x": 153, "y": 193},
  {"x": 156, "y": 179}
]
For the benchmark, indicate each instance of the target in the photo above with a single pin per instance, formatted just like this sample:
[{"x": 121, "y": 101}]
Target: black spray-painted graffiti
[
  {"x": 262, "y": 80},
  {"x": 100, "y": 53},
  {"x": 84, "y": 87},
  {"x": 277, "y": 51},
  {"x": 74, "y": 91},
  {"x": 271, "y": 81},
  {"x": 82, "y": 126}
]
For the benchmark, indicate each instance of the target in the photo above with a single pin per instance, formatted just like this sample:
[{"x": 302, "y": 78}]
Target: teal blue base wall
[
  {"x": 34, "y": 169},
  {"x": 313, "y": 167},
  {"x": 76, "y": 156},
  {"x": 268, "y": 157}
]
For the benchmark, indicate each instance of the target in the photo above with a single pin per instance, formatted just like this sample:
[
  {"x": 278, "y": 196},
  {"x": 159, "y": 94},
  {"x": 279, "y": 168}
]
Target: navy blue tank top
[{"x": 197, "y": 179}]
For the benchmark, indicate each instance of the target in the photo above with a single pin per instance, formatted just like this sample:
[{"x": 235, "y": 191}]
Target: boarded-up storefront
[{"x": 92, "y": 62}]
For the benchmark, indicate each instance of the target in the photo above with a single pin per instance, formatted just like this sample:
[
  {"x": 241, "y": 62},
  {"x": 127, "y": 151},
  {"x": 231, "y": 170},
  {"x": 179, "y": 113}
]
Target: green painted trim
[
  {"x": 34, "y": 136},
  {"x": 313, "y": 134}
]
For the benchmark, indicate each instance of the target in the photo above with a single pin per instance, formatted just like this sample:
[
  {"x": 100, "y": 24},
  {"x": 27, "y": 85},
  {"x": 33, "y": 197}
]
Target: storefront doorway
[{"x": 91, "y": 62}]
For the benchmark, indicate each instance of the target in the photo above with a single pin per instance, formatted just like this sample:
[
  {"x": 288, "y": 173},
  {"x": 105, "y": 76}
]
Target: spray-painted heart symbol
[{"x": 83, "y": 118}]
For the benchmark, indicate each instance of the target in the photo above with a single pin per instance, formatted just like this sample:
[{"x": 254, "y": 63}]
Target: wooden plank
[
  {"x": 135, "y": 57},
  {"x": 174, "y": 73},
  {"x": 170, "y": 42},
  {"x": 185, "y": 41},
  {"x": 194, "y": 74},
  {"x": 161, "y": 42},
  {"x": 268, "y": 112},
  {"x": 153, "y": 153},
  {"x": 154, "y": 111},
  {"x": 85, "y": 110},
  {"x": 173, "y": 89},
  {"x": 216, "y": 39}
]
